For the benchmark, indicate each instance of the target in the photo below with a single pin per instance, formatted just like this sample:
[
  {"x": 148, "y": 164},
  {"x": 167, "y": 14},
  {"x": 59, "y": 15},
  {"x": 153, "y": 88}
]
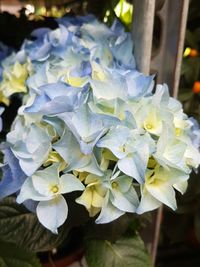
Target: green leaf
[
  {"x": 13, "y": 256},
  {"x": 18, "y": 225},
  {"x": 110, "y": 231},
  {"x": 125, "y": 252}
]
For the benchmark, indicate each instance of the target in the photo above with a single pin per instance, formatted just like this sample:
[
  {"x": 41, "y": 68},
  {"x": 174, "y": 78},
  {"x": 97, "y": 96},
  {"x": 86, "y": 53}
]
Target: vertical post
[
  {"x": 165, "y": 61},
  {"x": 142, "y": 34},
  {"x": 142, "y": 31},
  {"x": 184, "y": 13}
]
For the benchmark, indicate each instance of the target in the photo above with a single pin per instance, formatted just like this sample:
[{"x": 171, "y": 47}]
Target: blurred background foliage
[
  {"x": 189, "y": 92},
  {"x": 40, "y": 13}
]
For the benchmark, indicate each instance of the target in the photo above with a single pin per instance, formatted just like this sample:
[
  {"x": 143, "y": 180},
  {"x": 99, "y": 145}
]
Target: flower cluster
[
  {"x": 91, "y": 122},
  {"x": 4, "y": 52}
]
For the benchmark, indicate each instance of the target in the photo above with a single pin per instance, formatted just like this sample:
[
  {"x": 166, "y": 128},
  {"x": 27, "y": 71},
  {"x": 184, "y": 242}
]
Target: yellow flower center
[
  {"x": 178, "y": 132},
  {"x": 114, "y": 185},
  {"x": 92, "y": 187},
  {"x": 151, "y": 163},
  {"x": 149, "y": 126},
  {"x": 54, "y": 189}
]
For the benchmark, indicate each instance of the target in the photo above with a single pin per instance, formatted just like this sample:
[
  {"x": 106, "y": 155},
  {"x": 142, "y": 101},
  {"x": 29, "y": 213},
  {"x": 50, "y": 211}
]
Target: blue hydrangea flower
[{"x": 91, "y": 122}]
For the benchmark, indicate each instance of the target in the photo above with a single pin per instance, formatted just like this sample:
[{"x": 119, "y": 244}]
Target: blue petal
[
  {"x": 57, "y": 98},
  {"x": 138, "y": 84},
  {"x": 40, "y": 32},
  {"x": 73, "y": 156},
  {"x": 31, "y": 205},
  {"x": 13, "y": 176},
  {"x": 88, "y": 127},
  {"x": 38, "y": 50}
]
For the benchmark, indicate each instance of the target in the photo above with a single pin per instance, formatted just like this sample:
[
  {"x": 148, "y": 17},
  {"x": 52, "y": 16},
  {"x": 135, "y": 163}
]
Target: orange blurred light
[
  {"x": 196, "y": 87},
  {"x": 194, "y": 53}
]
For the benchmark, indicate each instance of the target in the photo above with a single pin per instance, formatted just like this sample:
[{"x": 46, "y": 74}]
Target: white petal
[
  {"x": 132, "y": 196},
  {"x": 128, "y": 166},
  {"x": 28, "y": 166},
  {"x": 109, "y": 212},
  {"x": 124, "y": 182},
  {"x": 69, "y": 183},
  {"x": 164, "y": 193},
  {"x": 181, "y": 186},
  {"x": 52, "y": 213},
  {"x": 45, "y": 179},
  {"x": 147, "y": 203},
  {"x": 120, "y": 201},
  {"x": 28, "y": 192},
  {"x": 114, "y": 139},
  {"x": 192, "y": 156}
]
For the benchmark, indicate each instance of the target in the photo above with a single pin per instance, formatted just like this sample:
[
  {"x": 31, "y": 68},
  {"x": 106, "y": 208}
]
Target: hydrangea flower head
[{"x": 91, "y": 122}]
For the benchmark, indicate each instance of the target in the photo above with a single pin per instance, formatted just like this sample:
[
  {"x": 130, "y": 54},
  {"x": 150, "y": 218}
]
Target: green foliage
[
  {"x": 124, "y": 12},
  {"x": 125, "y": 252},
  {"x": 110, "y": 231},
  {"x": 13, "y": 256},
  {"x": 23, "y": 228},
  {"x": 120, "y": 9},
  {"x": 190, "y": 72},
  {"x": 191, "y": 69}
]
